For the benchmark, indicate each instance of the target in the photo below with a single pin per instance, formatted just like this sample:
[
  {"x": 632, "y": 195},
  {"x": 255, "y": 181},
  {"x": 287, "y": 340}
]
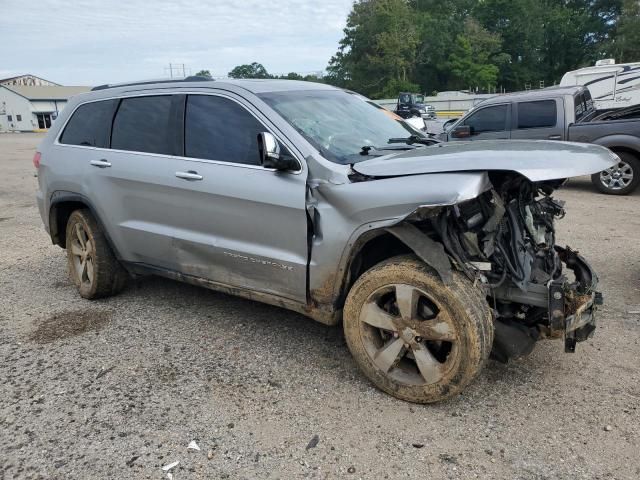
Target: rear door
[
  {"x": 538, "y": 120},
  {"x": 488, "y": 123},
  {"x": 233, "y": 221},
  {"x": 129, "y": 182}
]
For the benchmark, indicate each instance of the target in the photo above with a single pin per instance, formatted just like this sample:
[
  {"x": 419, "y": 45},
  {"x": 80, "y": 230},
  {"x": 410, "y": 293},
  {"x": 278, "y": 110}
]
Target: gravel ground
[{"x": 118, "y": 388}]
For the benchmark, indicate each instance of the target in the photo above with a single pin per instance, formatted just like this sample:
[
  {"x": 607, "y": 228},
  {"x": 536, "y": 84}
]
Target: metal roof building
[{"x": 27, "y": 108}]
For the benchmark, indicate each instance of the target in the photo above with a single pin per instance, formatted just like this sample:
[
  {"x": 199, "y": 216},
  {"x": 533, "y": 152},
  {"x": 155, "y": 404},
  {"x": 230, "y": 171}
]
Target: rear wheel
[
  {"x": 620, "y": 179},
  {"x": 414, "y": 337},
  {"x": 92, "y": 264}
]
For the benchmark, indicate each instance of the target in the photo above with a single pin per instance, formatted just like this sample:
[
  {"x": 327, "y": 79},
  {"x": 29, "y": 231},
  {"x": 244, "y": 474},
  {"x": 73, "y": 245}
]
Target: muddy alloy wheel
[
  {"x": 414, "y": 337},
  {"x": 82, "y": 256},
  {"x": 92, "y": 265},
  {"x": 620, "y": 179}
]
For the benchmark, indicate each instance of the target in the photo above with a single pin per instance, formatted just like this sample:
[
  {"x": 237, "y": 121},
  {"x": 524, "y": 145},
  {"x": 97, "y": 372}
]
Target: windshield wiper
[
  {"x": 411, "y": 139},
  {"x": 367, "y": 148}
]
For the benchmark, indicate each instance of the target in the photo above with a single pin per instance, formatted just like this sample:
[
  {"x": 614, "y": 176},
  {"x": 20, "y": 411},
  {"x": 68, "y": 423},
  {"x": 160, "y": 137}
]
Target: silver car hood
[{"x": 536, "y": 160}]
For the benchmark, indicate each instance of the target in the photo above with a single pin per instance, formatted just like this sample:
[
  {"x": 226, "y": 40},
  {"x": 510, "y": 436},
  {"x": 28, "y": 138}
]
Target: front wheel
[
  {"x": 414, "y": 337},
  {"x": 620, "y": 179}
]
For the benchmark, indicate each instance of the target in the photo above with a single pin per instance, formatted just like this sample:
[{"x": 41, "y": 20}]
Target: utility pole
[{"x": 179, "y": 67}]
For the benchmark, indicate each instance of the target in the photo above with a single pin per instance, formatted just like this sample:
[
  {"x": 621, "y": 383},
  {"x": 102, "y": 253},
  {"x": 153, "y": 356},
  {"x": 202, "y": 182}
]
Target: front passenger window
[
  {"x": 217, "y": 128},
  {"x": 489, "y": 119}
]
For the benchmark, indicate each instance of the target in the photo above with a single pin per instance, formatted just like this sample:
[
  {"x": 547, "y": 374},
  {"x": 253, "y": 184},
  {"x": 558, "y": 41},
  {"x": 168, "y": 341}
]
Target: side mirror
[
  {"x": 270, "y": 156},
  {"x": 463, "y": 131}
]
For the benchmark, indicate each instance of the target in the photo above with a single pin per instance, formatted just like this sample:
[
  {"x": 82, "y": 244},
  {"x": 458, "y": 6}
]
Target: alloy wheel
[
  {"x": 618, "y": 176},
  {"x": 408, "y": 336},
  {"x": 83, "y": 253}
]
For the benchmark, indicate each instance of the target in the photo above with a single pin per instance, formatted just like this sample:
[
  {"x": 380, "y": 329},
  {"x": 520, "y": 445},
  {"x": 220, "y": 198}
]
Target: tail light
[{"x": 36, "y": 159}]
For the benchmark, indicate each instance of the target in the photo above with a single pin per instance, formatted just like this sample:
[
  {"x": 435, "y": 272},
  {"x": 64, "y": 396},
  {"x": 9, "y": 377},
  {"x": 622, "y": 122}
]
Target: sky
[{"x": 86, "y": 42}]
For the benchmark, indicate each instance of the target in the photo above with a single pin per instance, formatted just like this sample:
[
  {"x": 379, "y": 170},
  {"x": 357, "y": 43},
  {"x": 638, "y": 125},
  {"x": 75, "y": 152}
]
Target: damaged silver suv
[{"x": 307, "y": 197}]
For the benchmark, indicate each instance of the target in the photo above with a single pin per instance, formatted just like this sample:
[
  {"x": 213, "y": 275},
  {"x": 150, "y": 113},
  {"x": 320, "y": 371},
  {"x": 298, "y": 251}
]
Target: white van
[{"x": 612, "y": 85}]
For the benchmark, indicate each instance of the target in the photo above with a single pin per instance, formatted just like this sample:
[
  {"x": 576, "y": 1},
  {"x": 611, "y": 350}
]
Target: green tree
[
  {"x": 626, "y": 42},
  {"x": 546, "y": 38},
  {"x": 204, "y": 73},
  {"x": 292, "y": 76},
  {"x": 378, "y": 47},
  {"x": 253, "y": 70},
  {"x": 474, "y": 57}
]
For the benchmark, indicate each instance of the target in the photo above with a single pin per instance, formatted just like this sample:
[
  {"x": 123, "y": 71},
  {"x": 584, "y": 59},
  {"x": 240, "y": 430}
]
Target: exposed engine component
[{"x": 506, "y": 240}]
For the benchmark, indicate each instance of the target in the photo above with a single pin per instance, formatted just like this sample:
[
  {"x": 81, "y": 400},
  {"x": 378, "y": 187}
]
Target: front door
[
  {"x": 488, "y": 123},
  {"x": 233, "y": 221}
]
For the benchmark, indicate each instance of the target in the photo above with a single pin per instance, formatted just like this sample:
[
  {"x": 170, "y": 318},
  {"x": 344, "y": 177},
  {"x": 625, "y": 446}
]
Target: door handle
[
  {"x": 555, "y": 137},
  {"x": 102, "y": 163},
  {"x": 190, "y": 175}
]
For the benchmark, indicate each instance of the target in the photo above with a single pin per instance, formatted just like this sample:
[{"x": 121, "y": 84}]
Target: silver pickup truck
[{"x": 565, "y": 113}]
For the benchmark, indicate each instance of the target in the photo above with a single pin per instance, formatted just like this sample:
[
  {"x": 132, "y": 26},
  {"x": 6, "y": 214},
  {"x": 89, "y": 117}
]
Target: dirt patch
[{"x": 69, "y": 324}]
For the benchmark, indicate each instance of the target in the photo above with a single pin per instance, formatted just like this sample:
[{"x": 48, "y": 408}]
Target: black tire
[
  {"x": 460, "y": 349},
  {"x": 92, "y": 265},
  {"x": 629, "y": 165}
]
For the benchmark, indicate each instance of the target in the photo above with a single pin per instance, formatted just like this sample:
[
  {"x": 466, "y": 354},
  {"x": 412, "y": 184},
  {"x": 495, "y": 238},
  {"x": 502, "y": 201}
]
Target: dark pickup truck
[{"x": 558, "y": 113}]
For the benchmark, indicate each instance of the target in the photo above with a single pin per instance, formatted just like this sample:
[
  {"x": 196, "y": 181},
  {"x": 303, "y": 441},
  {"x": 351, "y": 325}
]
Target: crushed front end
[{"x": 505, "y": 241}]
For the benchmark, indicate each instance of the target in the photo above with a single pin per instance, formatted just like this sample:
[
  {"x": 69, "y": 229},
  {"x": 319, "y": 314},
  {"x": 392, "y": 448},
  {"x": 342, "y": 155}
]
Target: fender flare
[
  {"x": 62, "y": 196},
  {"x": 621, "y": 141}
]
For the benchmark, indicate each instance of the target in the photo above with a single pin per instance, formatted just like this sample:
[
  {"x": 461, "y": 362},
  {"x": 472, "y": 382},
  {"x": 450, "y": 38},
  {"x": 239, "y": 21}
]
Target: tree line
[
  {"x": 257, "y": 70},
  {"x": 483, "y": 45}
]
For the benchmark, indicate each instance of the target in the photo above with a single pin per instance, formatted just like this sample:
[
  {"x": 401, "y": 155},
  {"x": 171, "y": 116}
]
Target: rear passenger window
[
  {"x": 217, "y": 128},
  {"x": 537, "y": 114},
  {"x": 142, "y": 125},
  {"x": 90, "y": 125}
]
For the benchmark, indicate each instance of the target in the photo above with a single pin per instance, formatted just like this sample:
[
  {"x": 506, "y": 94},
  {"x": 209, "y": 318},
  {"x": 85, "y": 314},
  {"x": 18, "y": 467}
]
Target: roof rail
[{"x": 192, "y": 78}]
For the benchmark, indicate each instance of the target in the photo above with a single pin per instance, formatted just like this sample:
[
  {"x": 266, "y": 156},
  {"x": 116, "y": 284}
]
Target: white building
[
  {"x": 27, "y": 81},
  {"x": 30, "y": 103}
]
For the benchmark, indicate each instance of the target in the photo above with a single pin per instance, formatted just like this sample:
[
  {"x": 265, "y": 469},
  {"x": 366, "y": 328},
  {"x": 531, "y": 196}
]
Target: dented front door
[{"x": 235, "y": 222}]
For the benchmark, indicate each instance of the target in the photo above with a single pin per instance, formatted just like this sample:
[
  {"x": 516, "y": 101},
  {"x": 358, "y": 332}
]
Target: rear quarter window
[
  {"x": 538, "y": 114},
  {"x": 90, "y": 125}
]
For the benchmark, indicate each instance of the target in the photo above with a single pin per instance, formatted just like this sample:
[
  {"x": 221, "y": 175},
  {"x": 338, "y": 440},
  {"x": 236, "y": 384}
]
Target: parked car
[
  {"x": 304, "y": 196},
  {"x": 418, "y": 124},
  {"x": 561, "y": 113},
  {"x": 412, "y": 105}
]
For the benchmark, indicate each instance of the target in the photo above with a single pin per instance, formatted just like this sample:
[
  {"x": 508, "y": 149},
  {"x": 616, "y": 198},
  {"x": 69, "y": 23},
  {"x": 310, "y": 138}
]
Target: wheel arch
[
  {"x": 620, "y": 143},
  {"x": 378, "y": 245},
  {"x": 627, "y": 150},
  {"x": 61, "y": 206}
]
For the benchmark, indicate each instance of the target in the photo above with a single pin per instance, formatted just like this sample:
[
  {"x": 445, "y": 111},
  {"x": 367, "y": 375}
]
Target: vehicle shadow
[{"x": 292, "y": 336}]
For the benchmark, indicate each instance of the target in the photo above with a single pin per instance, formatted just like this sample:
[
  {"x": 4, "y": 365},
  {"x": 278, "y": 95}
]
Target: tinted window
[
  {"x": 90, "y": 125},
  {"x": 537, "y": 114},
  {"x": 489, "y": 119},
  {"x": 142, "y": 125},
  {"x": 584, "y": 105},
  {"x": 217, "y": 128}
]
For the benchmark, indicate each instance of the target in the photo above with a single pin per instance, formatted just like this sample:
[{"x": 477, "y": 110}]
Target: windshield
[
  {"x": 338, "y": 123},
  {"x": 419, "y": 98}
]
